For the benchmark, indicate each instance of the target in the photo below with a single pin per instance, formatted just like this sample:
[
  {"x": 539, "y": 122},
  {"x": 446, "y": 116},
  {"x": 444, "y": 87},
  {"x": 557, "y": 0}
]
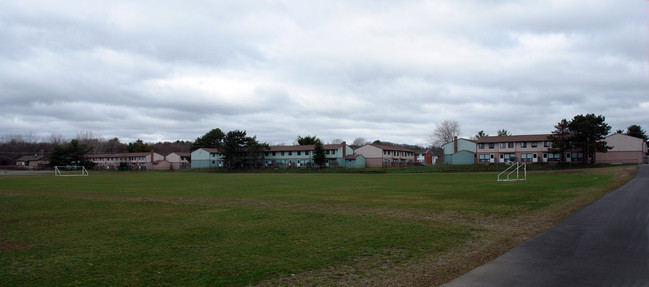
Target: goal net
[{"x": 70, "y": 170}]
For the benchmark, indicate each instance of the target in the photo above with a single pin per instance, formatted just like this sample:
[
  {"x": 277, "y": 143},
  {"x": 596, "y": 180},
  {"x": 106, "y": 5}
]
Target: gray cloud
[{"x": 164, "y": 70}]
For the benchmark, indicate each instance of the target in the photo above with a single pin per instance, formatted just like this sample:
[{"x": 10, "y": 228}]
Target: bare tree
[
  {"x": 337, "y": 141},
  {"x": 31, "y": 138},
  {"x": 359, "y": 142},
  {"x": 444, "y": 132},
  {"x": 57, "y": 139},
  {"x": 97, "y": 142}
]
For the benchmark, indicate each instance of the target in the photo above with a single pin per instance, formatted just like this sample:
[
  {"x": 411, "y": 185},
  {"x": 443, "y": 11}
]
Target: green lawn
[{"x": 239, "y": 229}]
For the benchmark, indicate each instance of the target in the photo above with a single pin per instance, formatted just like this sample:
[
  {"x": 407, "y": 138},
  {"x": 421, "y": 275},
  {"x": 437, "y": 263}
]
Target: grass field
[{"x": 186, "y": 229}]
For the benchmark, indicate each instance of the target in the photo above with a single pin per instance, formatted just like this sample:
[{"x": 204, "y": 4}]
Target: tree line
[{"x": 13, "y": 147}]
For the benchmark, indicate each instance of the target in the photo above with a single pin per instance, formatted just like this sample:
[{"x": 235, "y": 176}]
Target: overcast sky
[{"x": 388, "y": 70}]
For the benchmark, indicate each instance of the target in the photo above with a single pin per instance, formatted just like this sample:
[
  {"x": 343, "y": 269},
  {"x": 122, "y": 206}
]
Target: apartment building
[
  {"x": 383, "y": 155},
  {"x": 178, "y": 160},
  {"x": 298, "y": 156},
  {"x": 206, "y": 158},
  {"x": 521, "y": 148},
  {"x": 133, "y": 161},
  {"x": 294, "y": 156},
  {"x": 625, "y": 150}
]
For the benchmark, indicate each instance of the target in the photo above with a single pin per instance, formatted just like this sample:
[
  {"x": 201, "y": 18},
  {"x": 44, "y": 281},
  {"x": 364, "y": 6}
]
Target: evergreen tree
[
  {"x": 71, "y": 154},
  {"x": 588, "y": 133},
  {"x": 240, "y": 150},
  {"x": 212, "y": 139},
  {"x": 319, "y": 157},
  {"x": 561, "y": 139},
  {"x": 307, "y": 140},
  {"x": 139, "y": 146},
  {"x": 636, "y": 131}
]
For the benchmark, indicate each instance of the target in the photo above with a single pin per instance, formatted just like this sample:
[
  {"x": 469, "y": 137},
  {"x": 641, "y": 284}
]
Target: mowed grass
[{"x": 143, "y": 229}]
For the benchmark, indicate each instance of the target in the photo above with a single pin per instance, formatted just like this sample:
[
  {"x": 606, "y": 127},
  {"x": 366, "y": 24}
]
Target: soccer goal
[
  {"x": 507, "y": 174},
  {"x": 70, "y": 170}
]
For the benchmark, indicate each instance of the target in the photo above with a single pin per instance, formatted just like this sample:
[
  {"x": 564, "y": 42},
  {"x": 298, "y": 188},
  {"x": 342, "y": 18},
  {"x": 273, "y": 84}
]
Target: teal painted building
[
  {"x": 301, "y": 156},
  {"x": 206, "y": 158},
  {"x": 460, "y": 152}
]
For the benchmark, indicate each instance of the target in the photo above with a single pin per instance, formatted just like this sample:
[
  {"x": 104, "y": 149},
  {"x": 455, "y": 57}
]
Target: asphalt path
[{"x": 603, "y": 244}]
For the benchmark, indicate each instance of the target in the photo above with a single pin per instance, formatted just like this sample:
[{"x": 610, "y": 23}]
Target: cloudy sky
[{"x": 388, "y": 70}]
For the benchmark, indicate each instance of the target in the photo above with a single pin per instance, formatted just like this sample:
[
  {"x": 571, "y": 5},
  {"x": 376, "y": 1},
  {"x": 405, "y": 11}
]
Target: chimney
[
  {"x": 454, "y": 144},
  {"x": 344, "y": 149}
]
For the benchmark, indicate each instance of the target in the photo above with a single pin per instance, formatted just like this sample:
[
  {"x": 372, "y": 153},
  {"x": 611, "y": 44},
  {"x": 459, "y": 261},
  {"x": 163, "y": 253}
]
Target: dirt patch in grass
[{"x": 11, "y": 246}]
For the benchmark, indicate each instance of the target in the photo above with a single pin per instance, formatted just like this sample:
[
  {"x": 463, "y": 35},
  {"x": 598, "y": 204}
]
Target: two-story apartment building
[
  {"x": 337, "y": 155},
  {"x": 295, "y": 156},
  {"x": 521, "y": 148},
  {"x": 134, "y": 161},
  {"x": 383, "y": 155},
  {"x": 206, "y": 158},
  {"x": 625, "y": 149},
  {"x": 178, "y": 160}
]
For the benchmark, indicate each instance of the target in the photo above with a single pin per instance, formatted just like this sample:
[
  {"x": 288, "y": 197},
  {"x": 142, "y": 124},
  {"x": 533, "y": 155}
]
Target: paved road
[{"x": 604, "y": 244}]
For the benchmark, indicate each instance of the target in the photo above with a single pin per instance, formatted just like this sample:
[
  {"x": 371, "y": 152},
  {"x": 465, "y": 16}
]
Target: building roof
[
  {"x": 210, "y": 150},
  {"x": 185, "y": 154},
  {"x": 302, "y": 147},
  {"x": 94, "y": 155},
  {"x": 517, "y": 138},
  {"x": 390, "y": 147},
  {"x": 31, "y": 158},
  {"x": 354, "y": 156}
]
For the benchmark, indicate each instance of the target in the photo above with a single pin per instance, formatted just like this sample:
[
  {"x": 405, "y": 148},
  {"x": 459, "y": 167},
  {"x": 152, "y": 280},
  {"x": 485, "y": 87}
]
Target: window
[
  {"x": 577, "y": 156},
  {"x": 266, "y": 153},
  {"x": 290, "y": 153},
  {"x": 299, "y": 153},
  {"x": 333, "y": 151},
  {"x": 274, "y": 153},
  {"x": 552, "y": 156},
  {"x": 527, "y": 157},
  {"x": 503, "y": 145},
  {"x": 546, "y": 144},
  {"x": 306, "y": 152},
  {"x": 481, "y": 146},
  {"x": 510, "y": 145},
  {"x": 523, "y": 144},
  {"x": 282, "y": 153},
  {"x": 535, "y": 144},
  {"x": 327, "y": 152},
  {"x": 492, "y": 145},
  {"x": 510, "y": 157},
  {"x": 484, "y": 158}
]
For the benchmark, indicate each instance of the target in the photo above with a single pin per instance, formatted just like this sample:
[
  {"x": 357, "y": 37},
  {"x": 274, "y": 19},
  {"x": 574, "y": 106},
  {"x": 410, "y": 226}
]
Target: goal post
[
  {"x": 514, "y": 168},
  {"x": 70, "y": 170}
]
